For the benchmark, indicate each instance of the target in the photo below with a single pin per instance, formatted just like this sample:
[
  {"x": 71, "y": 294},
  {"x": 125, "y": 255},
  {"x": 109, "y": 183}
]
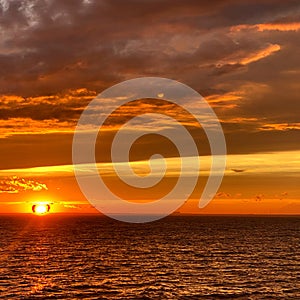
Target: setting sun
[{"x": 41, "y": 208}]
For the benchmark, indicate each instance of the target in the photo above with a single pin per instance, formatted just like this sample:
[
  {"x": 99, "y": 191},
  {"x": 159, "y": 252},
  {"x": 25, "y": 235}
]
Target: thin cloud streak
[
  {"x": 255, "y": 164},
  {"x": 295, "y": 26}
]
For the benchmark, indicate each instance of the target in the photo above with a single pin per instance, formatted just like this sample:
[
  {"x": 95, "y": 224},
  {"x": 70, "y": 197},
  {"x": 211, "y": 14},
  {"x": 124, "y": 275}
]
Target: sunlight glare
[{"x": 40, "y": 209}]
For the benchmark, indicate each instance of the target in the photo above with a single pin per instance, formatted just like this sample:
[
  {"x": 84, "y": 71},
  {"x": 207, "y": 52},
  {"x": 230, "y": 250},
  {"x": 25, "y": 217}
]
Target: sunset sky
[{"x": 242, "y": 56}]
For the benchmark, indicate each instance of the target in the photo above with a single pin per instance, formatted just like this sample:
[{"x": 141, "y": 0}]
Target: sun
[{"x": 41, "y": 208}]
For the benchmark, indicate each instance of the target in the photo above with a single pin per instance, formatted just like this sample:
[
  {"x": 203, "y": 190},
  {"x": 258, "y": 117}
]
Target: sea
[{"x": 179, "y": 257}]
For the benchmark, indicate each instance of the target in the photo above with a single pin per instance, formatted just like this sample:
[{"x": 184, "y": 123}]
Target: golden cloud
[{"x": 14, "y": 184}]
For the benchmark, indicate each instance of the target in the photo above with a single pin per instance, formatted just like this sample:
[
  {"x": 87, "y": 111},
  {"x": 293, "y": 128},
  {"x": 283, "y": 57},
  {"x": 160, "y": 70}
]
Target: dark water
[{"x": 92, "y": 257}]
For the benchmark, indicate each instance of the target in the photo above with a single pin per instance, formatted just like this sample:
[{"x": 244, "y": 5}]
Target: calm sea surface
[{"x": 93, "y": 257}]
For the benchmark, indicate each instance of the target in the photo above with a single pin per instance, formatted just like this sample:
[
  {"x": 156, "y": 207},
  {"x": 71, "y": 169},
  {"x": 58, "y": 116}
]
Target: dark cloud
[
  {"x": 238, "y": 170},
  {"x": 54, "y": 45},
  {"x": 50, "y": 48}
]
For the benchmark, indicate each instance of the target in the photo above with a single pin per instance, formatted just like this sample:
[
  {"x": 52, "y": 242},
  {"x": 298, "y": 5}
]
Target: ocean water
[{"x": 179, "y": 257}]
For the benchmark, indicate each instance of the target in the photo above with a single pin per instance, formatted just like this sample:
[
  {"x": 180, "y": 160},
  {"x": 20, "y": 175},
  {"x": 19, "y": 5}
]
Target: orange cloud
[
  {"x": 244, "y": 58},
  {"x": 135, "y": 108},
  {"x": 13, "y": 185},
  {"x": 260, "y": 54},
  {"x": 19, "y": 126},
  {"x": 279, "y": 27},
  {"x": 42, "y": 114},
  {"x": 280, "y": 126},
  {"x": 71, "y": 96},
  {"x": 227, "y": 100},
  {"x": 295, "y": 26},
  {"x": 7, "y": 99}
]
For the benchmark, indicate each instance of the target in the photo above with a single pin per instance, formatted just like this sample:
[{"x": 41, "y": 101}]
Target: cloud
[
  {"x": 226, "y": 100},
  {"x": 48, "y": 46},
  {"x": 258, "y": 55},
  {"x": 25, "y": 126},
  {"x": 62, "y": 106},
  {"x": 281, "y": 126},
  {"x": 283, "y": 195},
  {"x": 251, "y": 164},
  {"x": 238, "y": 170},
  {"x": 42, "y": 114},
  {"x": 259, "y": 197},
  {"x": 73, "y": 205},
  {"x": 55, "y": 56},
  {"x": 223, "y": 195},
  {"x": 14, "y": 184},
  {"x": 244, "y": 56},
  {"x": 295, "y": 26}
]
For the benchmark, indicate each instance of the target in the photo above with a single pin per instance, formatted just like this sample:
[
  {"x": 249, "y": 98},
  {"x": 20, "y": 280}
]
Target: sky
[{"x": 242, "y": 56}]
